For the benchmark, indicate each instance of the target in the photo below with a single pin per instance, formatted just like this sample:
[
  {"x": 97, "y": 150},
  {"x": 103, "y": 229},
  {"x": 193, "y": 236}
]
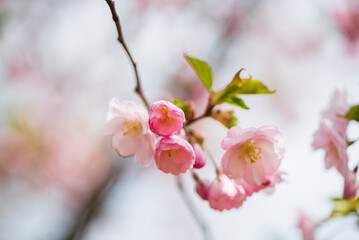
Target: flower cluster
[
  {"x": 252, "y": 158},
  {"x": 332, "y": 138},
  {"x": 134, "y": 132},
  {"x": 249, "y": 165}
]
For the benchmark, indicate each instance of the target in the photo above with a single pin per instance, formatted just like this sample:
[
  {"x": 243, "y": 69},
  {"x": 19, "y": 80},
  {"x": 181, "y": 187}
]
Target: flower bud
[
  {"x": 174, "y": 155},
  {"x": 166, "y": 118},
  {"x": 201, "y": 157}
]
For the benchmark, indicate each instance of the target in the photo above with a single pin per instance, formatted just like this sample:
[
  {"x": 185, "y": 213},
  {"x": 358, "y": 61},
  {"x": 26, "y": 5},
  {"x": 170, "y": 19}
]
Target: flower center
[
  {"x": 249, "y": 150},
  {"x": 132, "y": 127},
  {"x": 172, "y": 154},
  {"x": 164, "y": 111}
]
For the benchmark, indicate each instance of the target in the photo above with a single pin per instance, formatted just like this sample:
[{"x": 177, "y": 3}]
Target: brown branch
[
  {"x": 205, "y": 230},
  {"x": 92, "y": 207},
  {"x": 138, "y": 90},
  {"x": 120, "y": 38}
]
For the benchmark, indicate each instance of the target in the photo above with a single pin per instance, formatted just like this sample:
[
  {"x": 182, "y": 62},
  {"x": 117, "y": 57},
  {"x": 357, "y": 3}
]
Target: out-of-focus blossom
[
  {"x": 306, "y": 226},
  {"x": 338, "y": 106},
  {"x": 267, "y": 186},
  {"x": 203, "y": 188},
  {"x": 40, "y": 152},
  {"x": 334, "y": 146},
  {"x": 224, "y": 193},
  {"x": 350, "y": 186},
  {"x": 166, "y": 118},
  {"x": 347, "y": 17},
  {"x": 127, "y": 121},
  {"x": 174, "y": 155},
  {"x": 201, "y": 157},
  {"x": 252, "y": 153}
]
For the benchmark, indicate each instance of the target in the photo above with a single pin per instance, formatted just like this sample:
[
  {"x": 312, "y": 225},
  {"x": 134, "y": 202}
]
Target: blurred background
[{"x": 61, "y": 63}]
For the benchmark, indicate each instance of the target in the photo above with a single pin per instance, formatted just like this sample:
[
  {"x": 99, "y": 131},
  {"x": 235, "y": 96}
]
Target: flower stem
[
  {"x": 200, "y": 222},
  {"x": 139, "y": 91},
  {"x": 120, "y": 38}
]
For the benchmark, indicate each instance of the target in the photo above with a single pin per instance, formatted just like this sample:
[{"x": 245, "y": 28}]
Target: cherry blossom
[
  {"x": 127, "y": 122},
  {"x": 252, "y": 153}
]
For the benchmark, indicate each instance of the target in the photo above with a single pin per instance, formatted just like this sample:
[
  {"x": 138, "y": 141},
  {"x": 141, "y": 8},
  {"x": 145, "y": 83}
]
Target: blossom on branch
[
  {"x": 174, "y": 155},
  {"x": 127, "y": 122},
  {"x": 252, "y": 154},
  {"x": 224, "y": 193},
  {"x": 334, "y": 146},
  {"x": 166, "y": 118}
]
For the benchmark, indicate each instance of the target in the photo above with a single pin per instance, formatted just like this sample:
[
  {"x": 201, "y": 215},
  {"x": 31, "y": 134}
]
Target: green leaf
[
  {"x": 353, "y": 113},
  {"x": 241, "y": 86},
  {"x": 236, "y": 102},
  {"x": 202, "y": 69}
]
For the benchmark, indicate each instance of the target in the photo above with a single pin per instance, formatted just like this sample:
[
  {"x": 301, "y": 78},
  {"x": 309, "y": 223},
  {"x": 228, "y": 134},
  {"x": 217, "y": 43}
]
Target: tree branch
[
  {"x": 120, "y": 38},
  {"x": 200, "y": 222},
  {"x": 138, "y": 90}
]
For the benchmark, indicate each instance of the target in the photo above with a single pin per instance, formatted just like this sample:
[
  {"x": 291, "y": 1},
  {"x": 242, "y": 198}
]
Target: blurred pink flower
[
  {"x": 225, "y": 194},
  {"x": 338, "y": 106},
  {"x": 306, "y": 226},
  {"x": 347, "y": 17},
  {"x": 203, "y": 188},
  {"x": 334, "y": 146},
  {"x": 174, "y": 155},
  {"x": 127, "y": 121},
  {"x": 166, "y": 118},
  {"x": 252, "y": 153},
  {"x": 350, "y": 186},
  {"x": 201, "y": 157},
  {"x": 267, "y": 186}
]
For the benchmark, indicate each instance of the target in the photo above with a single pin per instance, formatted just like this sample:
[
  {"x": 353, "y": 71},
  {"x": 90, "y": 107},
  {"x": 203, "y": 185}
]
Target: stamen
[{"x": 249, "y": 150}]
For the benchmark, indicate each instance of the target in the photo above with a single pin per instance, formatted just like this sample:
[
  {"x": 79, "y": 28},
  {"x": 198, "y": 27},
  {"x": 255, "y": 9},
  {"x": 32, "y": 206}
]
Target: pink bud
[
  {"x": 174, "y": 155},
  {"x": 225, "y": 194},
  {"x": 350, "y": 186},
  {"x": 201, "y": 157},
  {"x": 166, "y": 118},
  {"x": 203, "y": 188}
]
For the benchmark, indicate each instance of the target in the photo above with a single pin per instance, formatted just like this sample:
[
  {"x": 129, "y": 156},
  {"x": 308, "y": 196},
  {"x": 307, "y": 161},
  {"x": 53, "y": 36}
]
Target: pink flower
[
  {"x": 334, "y": 146},
  {"x": 174, "y": 155},
  {"x": 201, "y": 157},
  {"x": 252, "y": 153},
  {"x": 203, "y": 188},
  {"x": 350, "y": 186},
  {"x": 306, "y": 226},
  {"x": 127, "y": 121},
  {"x": 166, "y": 118},
  {"x": 225, "y": 194},
  {"x": 267, "y": 186},
  {"x": 338, "y": 106}
]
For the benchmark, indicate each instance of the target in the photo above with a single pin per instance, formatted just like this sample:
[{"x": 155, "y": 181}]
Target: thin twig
[
  {"x": 91, "y": 209},
  {"x": 138, "y": 90},
  {"x": 200, "y": 222},
  {"x": 120, "y": 38}
]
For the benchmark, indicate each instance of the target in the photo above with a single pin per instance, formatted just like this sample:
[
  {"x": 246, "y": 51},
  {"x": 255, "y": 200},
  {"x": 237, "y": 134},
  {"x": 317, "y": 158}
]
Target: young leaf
[
  {"x": 236, "y": 102},
  {"x": 353, "y": 113},
  {"x": 202, "y": 69},
  {"x": 240, "y": 86}
]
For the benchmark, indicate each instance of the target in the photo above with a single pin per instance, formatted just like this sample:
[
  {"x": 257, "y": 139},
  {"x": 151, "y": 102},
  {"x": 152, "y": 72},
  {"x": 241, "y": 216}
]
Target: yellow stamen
[{"x": 251, "y": 151}]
